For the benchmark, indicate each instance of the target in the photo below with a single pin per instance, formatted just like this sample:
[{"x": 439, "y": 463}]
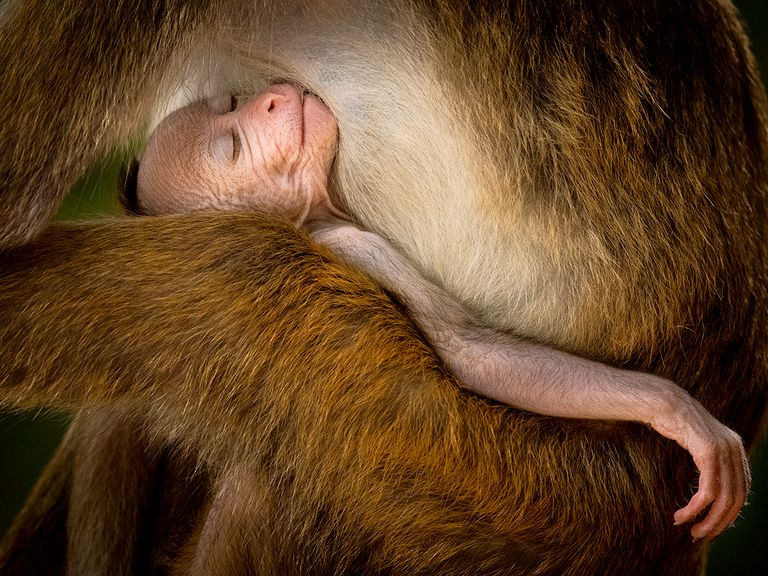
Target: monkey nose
[{"x": 274, "y": 98}]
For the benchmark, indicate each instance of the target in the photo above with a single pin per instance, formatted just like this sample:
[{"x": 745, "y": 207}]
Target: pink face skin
[{"x": 272, "y": 151}]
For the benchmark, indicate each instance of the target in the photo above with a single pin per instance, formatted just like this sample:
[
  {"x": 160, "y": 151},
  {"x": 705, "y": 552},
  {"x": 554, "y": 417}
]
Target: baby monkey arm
[{"x": 548, "y": 381}]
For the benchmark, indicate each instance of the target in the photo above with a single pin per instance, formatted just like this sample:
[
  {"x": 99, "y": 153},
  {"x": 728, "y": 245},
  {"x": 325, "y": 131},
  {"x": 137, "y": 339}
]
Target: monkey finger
[
  {"x": 731, "y": 495},
  {"x": 695, "y": 506},
  {"x": 717, "y": 520},
  {"x": 710, "y": 471}
]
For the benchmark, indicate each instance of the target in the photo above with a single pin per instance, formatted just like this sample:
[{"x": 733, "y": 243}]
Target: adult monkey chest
[{"x": 557, "y": 167}]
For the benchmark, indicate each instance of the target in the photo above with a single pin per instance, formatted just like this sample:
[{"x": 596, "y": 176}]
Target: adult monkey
[{"x": 638, "y": 224}]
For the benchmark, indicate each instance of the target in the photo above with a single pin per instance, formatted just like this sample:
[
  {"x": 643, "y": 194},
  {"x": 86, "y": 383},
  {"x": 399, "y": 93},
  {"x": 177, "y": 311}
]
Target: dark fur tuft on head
[{"x": 127, "y": 181}]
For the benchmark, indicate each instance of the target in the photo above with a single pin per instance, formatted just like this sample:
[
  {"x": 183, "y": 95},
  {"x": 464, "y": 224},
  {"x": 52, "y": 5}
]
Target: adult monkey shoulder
[{"x": 560, "y": 176}]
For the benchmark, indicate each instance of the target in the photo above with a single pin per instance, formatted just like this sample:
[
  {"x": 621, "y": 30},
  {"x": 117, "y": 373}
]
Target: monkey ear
[{"x": 127, "y": 181}]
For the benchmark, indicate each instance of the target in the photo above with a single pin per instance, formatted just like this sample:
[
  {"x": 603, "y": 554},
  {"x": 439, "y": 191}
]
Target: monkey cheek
[
  {"x": 158, "y": 204},
  {"x": 280, "y": 193},
  {"x": 321, "y": 132}
]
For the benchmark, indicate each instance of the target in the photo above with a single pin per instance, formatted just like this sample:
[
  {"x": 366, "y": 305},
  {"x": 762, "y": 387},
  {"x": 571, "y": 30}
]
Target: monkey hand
[{"x": 718, "y": 452}]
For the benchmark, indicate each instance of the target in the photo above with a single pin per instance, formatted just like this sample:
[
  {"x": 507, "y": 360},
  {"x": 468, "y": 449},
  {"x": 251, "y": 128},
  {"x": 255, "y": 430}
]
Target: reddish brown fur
[
  {"x": 261, "y": 369},
  {"x": 411, "y": 441}
]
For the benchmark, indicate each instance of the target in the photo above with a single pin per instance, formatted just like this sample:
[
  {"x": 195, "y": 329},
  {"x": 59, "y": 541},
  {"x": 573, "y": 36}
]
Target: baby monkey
[{"x": 274, "y": 152}]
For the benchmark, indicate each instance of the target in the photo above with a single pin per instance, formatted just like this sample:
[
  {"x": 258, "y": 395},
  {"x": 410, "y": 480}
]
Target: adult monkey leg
[
  {"x": 102, "y": 464},
  {"x": 40, "y": 529},
  {"x": 397, "y": 469}
]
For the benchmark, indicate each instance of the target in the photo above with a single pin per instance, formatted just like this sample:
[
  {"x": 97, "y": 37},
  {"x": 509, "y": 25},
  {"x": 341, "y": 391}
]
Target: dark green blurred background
[{"x": 27, "y": 440}]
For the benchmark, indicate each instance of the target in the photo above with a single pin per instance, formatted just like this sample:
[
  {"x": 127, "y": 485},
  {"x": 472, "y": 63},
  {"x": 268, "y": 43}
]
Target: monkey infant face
[{"x": 272, "y": 151}]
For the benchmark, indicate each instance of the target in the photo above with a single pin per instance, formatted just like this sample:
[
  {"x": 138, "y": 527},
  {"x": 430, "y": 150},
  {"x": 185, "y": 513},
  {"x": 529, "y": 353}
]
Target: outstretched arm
[{"x": 549, "y": 381}]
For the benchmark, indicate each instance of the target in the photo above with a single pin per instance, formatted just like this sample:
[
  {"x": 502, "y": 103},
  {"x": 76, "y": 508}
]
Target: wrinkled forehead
[
  {"x": 181, "y": 134},
  {"x": 174, "y": 157}
]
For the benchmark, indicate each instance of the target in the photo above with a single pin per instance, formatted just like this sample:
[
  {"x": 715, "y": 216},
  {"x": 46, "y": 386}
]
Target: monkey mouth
[
  {"x": 303, "y": 122},
  {"x": 307, "y": 96},
  {"x": 315, "y": 113}
]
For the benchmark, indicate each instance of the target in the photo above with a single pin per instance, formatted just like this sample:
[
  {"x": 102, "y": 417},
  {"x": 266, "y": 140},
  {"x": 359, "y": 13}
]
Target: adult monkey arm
[
  {"x": 391, "y": 443},
  {"x": 35, "y": 278}
]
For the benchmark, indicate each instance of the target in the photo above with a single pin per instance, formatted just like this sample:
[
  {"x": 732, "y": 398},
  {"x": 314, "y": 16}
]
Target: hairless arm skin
[{"x": 548, "y": 381}]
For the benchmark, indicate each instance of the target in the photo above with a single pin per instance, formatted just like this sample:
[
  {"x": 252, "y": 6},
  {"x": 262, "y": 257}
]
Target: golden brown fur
[{"x": 284, "y": 400}]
